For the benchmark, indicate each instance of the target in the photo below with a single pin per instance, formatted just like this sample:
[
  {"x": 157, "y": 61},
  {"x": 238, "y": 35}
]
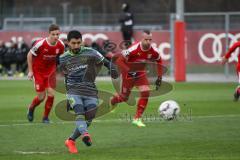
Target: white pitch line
[
  {"x": 217, "y": 116},
  {"x": 65, "y": 122},
  {"x": 158, "y": 120},
  {"x": 32, "y": 152}
]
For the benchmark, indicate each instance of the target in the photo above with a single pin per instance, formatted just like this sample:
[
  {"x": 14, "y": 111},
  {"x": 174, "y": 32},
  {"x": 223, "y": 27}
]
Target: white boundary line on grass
[
  {"x": 217, "y": 116},
  {"x": 32, "y": 152},
  {"x": 200, "y": 158},
  {"x": 64, "y": 122},
  {"x": 108, "y": 121}
]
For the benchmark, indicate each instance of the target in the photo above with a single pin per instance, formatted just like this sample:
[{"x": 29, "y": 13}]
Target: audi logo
[
  {"x": 217, "y": 46},
  {"x": 93, "y": 38},
  {"x": 163, "y": 47}
]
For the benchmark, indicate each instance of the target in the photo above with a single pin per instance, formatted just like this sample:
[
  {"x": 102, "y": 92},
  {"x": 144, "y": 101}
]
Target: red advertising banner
[{"x": 201, "y": 47}]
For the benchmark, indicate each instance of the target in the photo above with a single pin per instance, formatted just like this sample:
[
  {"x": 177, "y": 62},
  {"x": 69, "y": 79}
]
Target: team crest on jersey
[
  {"x": 57, "y": 51},
  {"x": 149, "y": 56}
]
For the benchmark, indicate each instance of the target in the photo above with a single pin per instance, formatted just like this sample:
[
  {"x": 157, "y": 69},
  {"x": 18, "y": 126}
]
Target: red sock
[
  {"x": 142, "y": 104},
  {"x": 35, "y": 102},
  {"x": 48, "y": 105}
]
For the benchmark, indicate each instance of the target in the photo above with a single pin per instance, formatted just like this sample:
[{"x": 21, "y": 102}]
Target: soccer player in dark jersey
[
  {"x": 42, "y": 59},
  {"x": 80, "y": 65}
]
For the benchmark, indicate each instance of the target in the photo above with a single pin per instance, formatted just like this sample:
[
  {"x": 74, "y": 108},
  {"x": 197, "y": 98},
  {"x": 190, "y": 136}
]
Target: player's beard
[
  {"x": 76, "y": 50},
  {"x": 146, "y": 46}
]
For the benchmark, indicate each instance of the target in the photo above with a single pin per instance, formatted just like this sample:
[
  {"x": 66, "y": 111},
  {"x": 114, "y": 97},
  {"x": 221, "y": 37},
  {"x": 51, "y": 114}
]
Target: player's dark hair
[
  {"x": 74, "y": 34},
  {"x": 147, "y": 32},
  {"x": 53, "y": 27}
]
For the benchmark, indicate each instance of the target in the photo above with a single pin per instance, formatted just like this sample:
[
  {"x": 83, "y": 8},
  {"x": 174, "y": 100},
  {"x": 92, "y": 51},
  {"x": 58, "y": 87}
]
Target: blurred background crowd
[
  {"x": 13, "y": 57},
  {"x": 13, "y": 54}
]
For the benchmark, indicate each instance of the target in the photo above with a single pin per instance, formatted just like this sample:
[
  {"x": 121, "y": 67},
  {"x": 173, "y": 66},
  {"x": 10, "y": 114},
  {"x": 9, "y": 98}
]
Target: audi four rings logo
[{"x": 217, "y": 46}]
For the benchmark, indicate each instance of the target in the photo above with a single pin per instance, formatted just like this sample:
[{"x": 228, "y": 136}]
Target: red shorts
[
  {"x": 128, "y": 83},
  {"x": 42, "y": 82}
]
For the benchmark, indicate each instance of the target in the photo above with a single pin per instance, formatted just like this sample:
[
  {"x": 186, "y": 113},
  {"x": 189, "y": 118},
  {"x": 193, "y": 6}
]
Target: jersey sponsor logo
[
  {"x": 49, "y": 57},
  {"x": 75, "y": 68},
  {"x": 217, "y": 48}
]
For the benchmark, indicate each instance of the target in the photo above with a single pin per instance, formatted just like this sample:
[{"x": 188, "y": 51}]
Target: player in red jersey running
[
  {"x": 42, "y": 61},
  {"x": 133, "y": 73},
  {"x": 225, "y": 60}
]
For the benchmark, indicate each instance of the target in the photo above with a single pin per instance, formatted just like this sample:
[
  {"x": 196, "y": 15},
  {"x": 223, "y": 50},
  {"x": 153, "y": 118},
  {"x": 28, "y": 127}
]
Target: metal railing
[
  {"x": 151, "y": 20},
  {"x": 226, "y": 23},
  {"x": 24, "y": 23}
]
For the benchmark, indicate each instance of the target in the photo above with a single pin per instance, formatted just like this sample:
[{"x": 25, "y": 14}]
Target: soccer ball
[{"x": 169, "y": 110}]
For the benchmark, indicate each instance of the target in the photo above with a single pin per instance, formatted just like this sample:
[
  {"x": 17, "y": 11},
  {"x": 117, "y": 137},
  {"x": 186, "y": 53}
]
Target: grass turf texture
[{"x": 208, "y": 130}]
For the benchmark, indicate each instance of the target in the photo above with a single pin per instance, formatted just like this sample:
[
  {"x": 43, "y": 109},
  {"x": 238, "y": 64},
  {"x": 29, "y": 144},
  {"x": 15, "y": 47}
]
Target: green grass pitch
[{"x": 208, "y": 128}]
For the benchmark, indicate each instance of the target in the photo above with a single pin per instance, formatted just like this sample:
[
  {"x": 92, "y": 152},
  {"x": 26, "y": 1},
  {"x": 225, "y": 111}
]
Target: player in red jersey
[
  {"x": 225, "y": 59},
  {"x": 134, "y": 74},
  {"x": 42, "y": 61}
]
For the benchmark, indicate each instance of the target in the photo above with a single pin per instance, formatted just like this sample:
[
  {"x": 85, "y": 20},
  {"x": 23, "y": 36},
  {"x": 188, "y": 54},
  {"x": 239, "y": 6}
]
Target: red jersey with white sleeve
[
  {"x": 136, "y": 54},
  {"x": 231, "y": 50},
  {"x": 44, "y": 56}
]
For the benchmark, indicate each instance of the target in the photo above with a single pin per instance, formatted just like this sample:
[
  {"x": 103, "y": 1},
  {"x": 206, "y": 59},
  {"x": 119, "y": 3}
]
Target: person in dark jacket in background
[
  {"x": 21, "y": 57},
  {"x": 127, "y": 23},
  {"x": 2, "y": 52}
]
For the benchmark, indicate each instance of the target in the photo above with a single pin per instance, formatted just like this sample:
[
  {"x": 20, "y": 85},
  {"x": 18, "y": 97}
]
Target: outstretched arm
[
  {"x": 29, "y": 61},
  {"x": 158, "y": 82},
  {"x": 230, "y": 51},
  {"x": 121, "y": 63},
  {"x": 111, "y": 67}
]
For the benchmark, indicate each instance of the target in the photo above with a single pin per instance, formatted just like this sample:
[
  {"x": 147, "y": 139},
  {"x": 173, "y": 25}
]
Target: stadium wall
[{"x": 202, "y": 47}]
